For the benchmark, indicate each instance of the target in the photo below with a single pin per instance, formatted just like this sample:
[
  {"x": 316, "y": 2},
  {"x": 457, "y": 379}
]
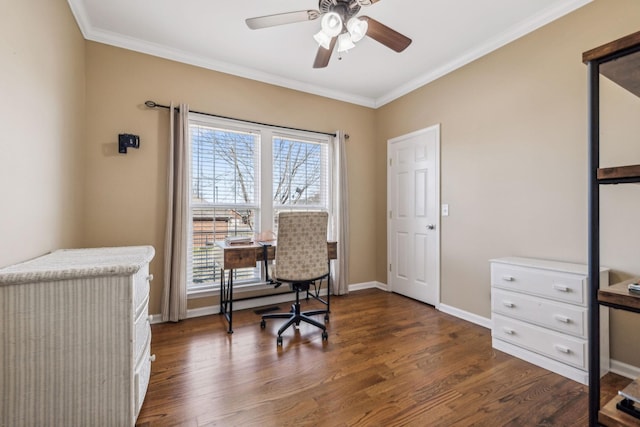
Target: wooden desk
[{"x": 244, "y": 256}]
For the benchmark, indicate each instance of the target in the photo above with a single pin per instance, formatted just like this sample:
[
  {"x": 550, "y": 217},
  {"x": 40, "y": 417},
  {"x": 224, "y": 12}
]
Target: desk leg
[
  {"x": 221, "y": 291},
  {"x": 230, "y": 313},
  {"x": 329, "y": 289},
  {"x": 226, "y": 298}
]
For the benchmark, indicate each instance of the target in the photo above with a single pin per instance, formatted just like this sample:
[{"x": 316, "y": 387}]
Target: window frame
[{"x": 265, "y": 203}]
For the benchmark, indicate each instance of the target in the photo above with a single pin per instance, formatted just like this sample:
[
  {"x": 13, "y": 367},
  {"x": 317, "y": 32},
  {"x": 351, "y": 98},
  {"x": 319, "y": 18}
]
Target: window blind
[{"x": 242, "y": 177}]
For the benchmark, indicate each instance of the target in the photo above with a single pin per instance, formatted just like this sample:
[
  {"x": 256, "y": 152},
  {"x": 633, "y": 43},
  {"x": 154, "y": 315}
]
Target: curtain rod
[{"x": 153, "y": 104}]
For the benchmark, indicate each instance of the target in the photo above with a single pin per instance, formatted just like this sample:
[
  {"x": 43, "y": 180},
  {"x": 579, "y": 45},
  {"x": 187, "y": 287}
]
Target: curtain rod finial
[{"x": 150, "y": 104}]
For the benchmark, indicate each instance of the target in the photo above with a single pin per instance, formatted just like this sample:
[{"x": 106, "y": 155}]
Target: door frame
[{"x": 390, "y": 143}]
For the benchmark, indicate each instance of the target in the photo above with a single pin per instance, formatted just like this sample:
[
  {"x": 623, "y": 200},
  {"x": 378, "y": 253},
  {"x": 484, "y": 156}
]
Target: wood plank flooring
[{"x": 389, "y": 361}]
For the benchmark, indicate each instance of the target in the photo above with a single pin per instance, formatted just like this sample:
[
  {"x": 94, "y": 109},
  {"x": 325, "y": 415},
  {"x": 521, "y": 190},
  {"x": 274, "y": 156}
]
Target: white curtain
[
  {"x": 174, "y": 296},
  {"x": 340, "y": 223}
]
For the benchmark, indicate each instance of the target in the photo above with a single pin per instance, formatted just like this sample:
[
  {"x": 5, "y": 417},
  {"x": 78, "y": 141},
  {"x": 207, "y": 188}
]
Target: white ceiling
[{"x": 446, "y": 34}]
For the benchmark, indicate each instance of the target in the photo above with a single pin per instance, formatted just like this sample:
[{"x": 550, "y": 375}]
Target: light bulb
[
  {"x": 344, "y": 42},
  {"x": 323, "y": 39},
  {"x": 357, "y": 28},
  {"x": 331, "y": 24}
]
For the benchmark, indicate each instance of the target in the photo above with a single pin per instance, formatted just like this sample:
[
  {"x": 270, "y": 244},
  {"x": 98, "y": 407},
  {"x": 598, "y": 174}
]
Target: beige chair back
[{"x": 301, "y": 251}]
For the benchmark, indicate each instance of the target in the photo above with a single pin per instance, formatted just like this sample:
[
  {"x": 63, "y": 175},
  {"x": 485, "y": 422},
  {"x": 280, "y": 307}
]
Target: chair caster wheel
[
  {"x": 279, "y": 341},
  {"x": 325, "y": 336},
  {"x": 263, "y": 324}
]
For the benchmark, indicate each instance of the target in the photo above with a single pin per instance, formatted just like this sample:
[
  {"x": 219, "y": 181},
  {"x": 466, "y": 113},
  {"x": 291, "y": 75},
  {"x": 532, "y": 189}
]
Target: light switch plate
[{"x": 445, "y": 210}]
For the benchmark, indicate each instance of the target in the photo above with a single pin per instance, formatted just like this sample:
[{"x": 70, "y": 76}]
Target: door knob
[{"x": 431, "y": 226}]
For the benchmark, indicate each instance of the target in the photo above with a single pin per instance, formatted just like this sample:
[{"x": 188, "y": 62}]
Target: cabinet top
[
  {"x": 76, "y": 263},
  {"x": 565, "y": 267}
]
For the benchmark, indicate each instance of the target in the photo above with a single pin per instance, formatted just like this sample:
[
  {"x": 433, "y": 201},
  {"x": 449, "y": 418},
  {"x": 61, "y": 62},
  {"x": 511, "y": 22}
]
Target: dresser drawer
[
  {"x": 142, "y": 375},
  {"x": 563, "y": 348},
  {"x": 555, "y": 285},
  {"x": 141, "y": 287},
  {"x": 561, "y": 317},
  {"x": 142, "y": 329}
]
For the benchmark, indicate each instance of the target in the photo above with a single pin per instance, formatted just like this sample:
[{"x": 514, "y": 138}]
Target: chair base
[{"x": 296, "y": 316}]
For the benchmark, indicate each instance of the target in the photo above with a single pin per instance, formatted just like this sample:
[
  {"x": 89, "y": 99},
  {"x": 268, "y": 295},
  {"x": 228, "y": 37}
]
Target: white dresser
[
  {"x": 539, "y": 314},
  {"x": 75, "y": 337}
]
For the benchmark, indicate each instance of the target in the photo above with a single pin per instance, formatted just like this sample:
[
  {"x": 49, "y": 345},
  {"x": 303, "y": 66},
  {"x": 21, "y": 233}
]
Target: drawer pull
[
  {"x": 508, "y": 304},
  {"x": 509, "y": 331},
  {"x": 150, "y": 277},
  {"x": 563, "y": 319},
  {"x": 508, "y": 278},
  {"x": 562, "y": 349},
  {"x": 152, "y": 358},
  {"x": 561, "y": 288}
]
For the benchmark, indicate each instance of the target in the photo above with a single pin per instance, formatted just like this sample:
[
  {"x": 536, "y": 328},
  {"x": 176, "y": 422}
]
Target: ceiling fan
[{"x": 340, "y": 26}]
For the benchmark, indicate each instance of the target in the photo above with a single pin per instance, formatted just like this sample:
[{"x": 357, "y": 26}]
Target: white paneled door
[{"x": 413, "y": 199}]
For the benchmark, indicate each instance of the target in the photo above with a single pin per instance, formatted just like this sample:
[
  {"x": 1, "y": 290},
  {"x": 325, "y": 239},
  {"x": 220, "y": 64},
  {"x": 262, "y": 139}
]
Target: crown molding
[
  {"x": 137, "y": 45},
  {"x": 514, "y": 33}
]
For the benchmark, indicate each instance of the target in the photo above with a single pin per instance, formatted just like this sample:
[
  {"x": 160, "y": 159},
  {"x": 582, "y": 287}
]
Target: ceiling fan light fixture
[
  {"x": 344, "y": 42},
  {"x": 331, "y": 24},
  {"x": 323, "y": 39},
  {"x": 357, "y": 28}
]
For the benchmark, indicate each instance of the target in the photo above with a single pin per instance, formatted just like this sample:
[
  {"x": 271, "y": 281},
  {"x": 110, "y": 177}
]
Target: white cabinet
[
  {"x": 539, "y": 314},
  {"x": 75, "y": 338}
]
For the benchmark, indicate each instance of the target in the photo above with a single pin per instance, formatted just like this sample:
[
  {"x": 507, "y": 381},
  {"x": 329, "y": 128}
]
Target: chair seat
[
  {"x": 301, "y": 258},
  {"x": 300, "y": 286}
]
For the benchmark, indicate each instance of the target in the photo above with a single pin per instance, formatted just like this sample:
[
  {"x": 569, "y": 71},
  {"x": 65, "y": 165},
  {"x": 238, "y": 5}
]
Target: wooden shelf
[
  {"x": 611, "y": 416},
  {"x": 623, "y": 70},
  {"x": 612, "y": 47},
  {"x": 619, "y": 174},
  {"x": 618, "y": 296}
]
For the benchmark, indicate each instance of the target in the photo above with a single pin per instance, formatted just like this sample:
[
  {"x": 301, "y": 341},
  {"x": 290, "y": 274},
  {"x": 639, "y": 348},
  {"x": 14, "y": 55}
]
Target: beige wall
[
  {"x": 513, "y": 149},
  {"x": 125, "y": 194},
  {"x": 514, "y": 159},
  {"x": 42, "y": 110}
]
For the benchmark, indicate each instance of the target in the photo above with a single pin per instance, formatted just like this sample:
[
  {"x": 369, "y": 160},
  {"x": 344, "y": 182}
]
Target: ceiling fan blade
[
  {"x": 387, "y": 36},
  {"x": 323, "y": 55},
  {"x": 281, "y": 19}
]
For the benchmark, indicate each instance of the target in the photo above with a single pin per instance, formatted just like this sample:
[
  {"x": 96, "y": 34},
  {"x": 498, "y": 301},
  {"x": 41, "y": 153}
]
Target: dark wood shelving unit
[
  {"x": 619, "y": 174},
  {"x": 619, "y": 61}
]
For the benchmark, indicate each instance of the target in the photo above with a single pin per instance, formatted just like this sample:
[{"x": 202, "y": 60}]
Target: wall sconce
[{"x": 126, "y": 140}]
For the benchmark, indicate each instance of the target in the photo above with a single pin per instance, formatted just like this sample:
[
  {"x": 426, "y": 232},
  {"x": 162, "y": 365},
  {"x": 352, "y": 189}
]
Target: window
[{"x": 242, "y": 176}]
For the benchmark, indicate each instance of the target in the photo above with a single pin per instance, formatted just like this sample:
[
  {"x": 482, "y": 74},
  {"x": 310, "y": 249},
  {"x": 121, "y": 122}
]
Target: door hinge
[
  {"x": 390, "y": 161},
  {"x": 390, "y": 269},
  {"x": 390, "y": 214}
]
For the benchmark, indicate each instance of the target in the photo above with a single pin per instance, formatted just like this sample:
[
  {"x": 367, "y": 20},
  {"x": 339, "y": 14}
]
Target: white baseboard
[
  {"x": 260, "y": 302},
  {"x": 465, "y": 315},
  {"x": 624, "y": 369},
  {"x": 247, "y": 304},
  {"x": 367, "y": 285}
]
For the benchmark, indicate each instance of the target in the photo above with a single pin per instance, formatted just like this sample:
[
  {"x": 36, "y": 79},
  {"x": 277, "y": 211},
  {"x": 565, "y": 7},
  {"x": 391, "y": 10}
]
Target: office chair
[{"x": 301, "y": 258}]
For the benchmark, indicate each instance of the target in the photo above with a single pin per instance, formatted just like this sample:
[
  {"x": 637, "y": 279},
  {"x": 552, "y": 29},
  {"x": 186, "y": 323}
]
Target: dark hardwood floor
[{"x": 389, "y": 361}]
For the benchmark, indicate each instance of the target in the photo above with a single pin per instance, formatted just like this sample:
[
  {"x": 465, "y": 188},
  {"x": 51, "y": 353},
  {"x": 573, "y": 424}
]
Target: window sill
[{"x": 238, "y": 290}]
